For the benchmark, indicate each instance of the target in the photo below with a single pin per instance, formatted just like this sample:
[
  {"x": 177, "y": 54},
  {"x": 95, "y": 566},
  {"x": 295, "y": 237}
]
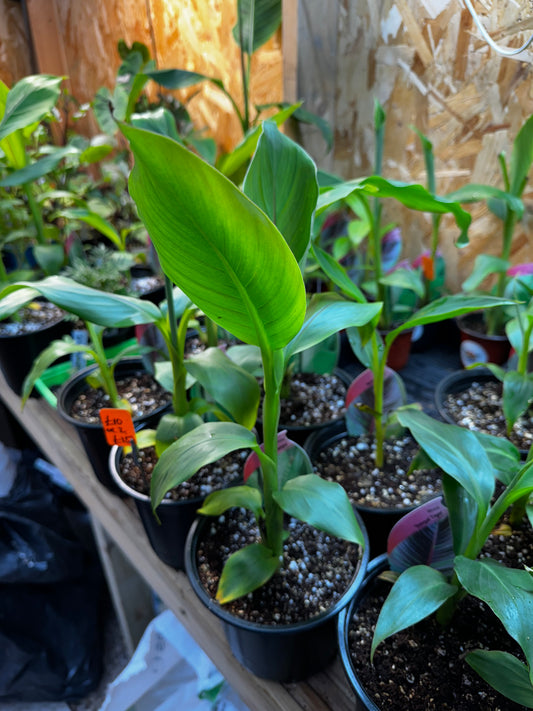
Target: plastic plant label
[
  {"x": 422, "y": 537},
  {"x": 118, "y": 426}
]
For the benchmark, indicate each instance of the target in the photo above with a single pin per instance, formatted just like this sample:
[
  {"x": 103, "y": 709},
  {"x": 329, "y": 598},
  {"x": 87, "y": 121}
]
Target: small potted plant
[
  {"x": 97, "y": 310},
  {"x": 488, "y": 397},
  {"x": 449, "y": 573},
  {"x": 237, "y": 267},
  {"x": 484, "y": 337}
]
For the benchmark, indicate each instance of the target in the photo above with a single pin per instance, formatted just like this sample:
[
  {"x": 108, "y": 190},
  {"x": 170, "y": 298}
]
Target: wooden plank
[
  {"x": 59, "y": 443},
  {"x": 289, "y": 41}
]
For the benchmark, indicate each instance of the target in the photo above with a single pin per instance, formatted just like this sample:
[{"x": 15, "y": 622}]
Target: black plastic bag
[{"x": 51, "y": 593}]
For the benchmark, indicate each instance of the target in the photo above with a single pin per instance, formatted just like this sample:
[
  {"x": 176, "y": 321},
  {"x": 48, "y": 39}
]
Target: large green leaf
[
  {"x": 50, "y": 257},
  {"x": 415, "y": 197},
  {"x": 418, "y": 592},
  {"x": 337, "y": 274},
  {"x": 455, "y": 450},
  {"x": 507, "y": 591},
  {"x": 160, "y": 121},
  {"x": 322, "y": 504},
  {"x": 521, "y": 157},
  {"x": 93, "y": 220},
  {"x": 38, "y": 169},
  {"x": 448, "y": 307},
  {"x": 477, "y": 193},
  {"x": 281, "y": 180},
  {"x": 235, "y": 496},
  {"x": 230, "y": 163},
  {"x": 44, "y": 360},
  {"x": 229, "y": 385},
  {"x": 215, "y": 244},
  {"x": 504, "y": 456},
  {"x": 507, "y": 674},
  {"x": 259, "y": 20},
  {"x": 245, "y": 571},
  {"x": 326, "y": 316},
  {"x": 484, "y": 266},
  {"x": 30, "y": 100},
  {"x": 13, "y": 145},
  {"x": 517, "y": 395},
  {"x": 111, "y": 310},
  {"x": 201, "y": 446}
]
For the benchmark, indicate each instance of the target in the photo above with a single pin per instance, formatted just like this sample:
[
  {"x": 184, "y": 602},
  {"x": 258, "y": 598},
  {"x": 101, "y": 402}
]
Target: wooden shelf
[{"x": 59, "y": 442}]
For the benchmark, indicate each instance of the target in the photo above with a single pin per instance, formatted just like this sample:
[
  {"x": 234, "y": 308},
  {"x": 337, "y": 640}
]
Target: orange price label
[{"x": 118, "y": 426}]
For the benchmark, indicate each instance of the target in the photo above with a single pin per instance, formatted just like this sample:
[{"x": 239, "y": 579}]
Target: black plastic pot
[
  {"x": 92, "y": 434},
  {"x": 17, "y": 353},
  {"x": 457, "y": 382},
  {"x": 168, "y": 537},
  {"x": 362, "y": 702},
  {"x": 283, "y": 653},
  {"x": 378, "y": 522}
]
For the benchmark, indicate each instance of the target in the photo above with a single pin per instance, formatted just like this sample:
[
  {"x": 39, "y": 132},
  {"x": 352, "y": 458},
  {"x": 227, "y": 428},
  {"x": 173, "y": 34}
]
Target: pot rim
[
  {"x": 375, "y": 567},
  {"x": 114, "y": 453},
  {"x": 267, "y": 629}
]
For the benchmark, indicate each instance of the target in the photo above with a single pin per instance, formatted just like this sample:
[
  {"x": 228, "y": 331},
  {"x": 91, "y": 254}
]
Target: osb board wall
[
  {"x": 424, "y": 61},
  {"x": 80, "y": 38},
  {"x": 15, "y": 58}
]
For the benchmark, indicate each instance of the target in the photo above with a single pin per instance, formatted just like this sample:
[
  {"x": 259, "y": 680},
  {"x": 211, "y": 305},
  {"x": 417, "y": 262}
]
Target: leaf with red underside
[
  {"x": 359, "y": 402},
  {"x": 293, "y": 460}
]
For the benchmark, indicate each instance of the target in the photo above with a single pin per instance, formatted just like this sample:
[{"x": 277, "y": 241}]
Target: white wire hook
[{"x": 506, "y": 51}]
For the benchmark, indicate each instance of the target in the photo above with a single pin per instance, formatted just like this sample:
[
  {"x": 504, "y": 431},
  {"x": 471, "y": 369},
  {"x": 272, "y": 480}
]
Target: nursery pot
[
  {"x": 92, "y": 434},
  {"x": 362, "y": 700},
  {"x": 168, "y": 537},
  {"x": 400, "y": 350},
  {"x": 378, "y": 521},
  {"x": 18, "y": 352},
  {"x": 478, "y": 347},
  {"x": 283, "y": 653}
]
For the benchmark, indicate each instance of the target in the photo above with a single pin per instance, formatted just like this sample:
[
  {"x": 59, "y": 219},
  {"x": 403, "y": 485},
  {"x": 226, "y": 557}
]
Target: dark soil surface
[
  {"x": 350, "y": 462},
  {"x": 31, "y": 318},
  {"x": 317, "y": 569},
  {"x": 479, "y": 407},
  {"x": 143, "y": 393},
  {"x": 313, "y": 400},
  {"x": 225, "y": 472},
  {"x": 423, "y": 667}
]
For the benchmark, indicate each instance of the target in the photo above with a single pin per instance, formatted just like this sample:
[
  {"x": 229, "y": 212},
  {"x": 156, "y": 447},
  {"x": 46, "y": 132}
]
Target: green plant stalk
[
  {"x": 175, "y": 342},
  {"x": 269, "y": 462},
  {"x": 526, "y": 337},
  {"x": 212, "y": 332},
  {"x": 495, "y": 317},
  {"x": 3, "y": 273},
  {"x": 378, "y": 368},
  {"x": 36, "y": 213},
  {"x": 100, "y": 357}
]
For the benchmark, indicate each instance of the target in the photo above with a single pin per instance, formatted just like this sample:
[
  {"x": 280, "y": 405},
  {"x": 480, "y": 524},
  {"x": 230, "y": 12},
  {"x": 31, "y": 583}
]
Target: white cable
[{"x": 507, "y": 52}]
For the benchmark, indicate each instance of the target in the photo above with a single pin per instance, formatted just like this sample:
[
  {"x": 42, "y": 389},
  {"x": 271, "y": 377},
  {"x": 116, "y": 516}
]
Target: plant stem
[
  {"x": 97, "y": 342},
  {"x": 212, "y": 332},
  {"x": 378, "y": 369},
  {"x": 496, "y": 316},
  {"x": 175, "y": 342},
  {"x": 36, "y": 213},
  {"x": 271, "y": 409},
  {"x": 526, "y": 337}
]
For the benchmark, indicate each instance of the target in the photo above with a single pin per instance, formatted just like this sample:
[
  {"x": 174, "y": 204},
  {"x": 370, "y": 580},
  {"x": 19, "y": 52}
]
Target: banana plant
[
  {"x": 471, "y": 463},
  {"x": 233, "y": 394},
  {"x": 507, "y": 205},
  {"x": 25, "y": 164},
  {"x": 240, "y": 263},
  {"x": 369, "y": 346}
]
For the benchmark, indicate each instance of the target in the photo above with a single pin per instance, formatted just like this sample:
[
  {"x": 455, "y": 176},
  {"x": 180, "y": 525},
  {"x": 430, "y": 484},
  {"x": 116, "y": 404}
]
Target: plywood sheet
[
  {"x": 15, "y": 56},
  {"x": 425, "y": 63}
]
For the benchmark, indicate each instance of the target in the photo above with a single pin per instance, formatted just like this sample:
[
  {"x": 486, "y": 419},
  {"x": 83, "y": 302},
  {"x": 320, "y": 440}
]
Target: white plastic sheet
[{"x": 169, "y": 671}]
